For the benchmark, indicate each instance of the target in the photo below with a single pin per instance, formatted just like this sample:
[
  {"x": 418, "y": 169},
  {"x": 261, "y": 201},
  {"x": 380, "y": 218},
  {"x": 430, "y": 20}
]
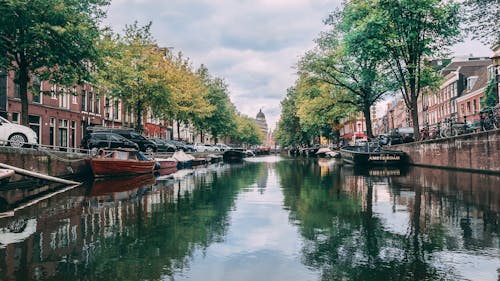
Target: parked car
[
  {"x": 16, "y": 135},
  {"x": 223, "y": 147},
  {"x": 106, "y": 140},
  {"x": 182, "y": 146},
  {"x": 145, "y": 145},
  {"x": 201, "y": 147},
  {"x": 401, "y": 135},
  {"x": 164, "y": 146}
]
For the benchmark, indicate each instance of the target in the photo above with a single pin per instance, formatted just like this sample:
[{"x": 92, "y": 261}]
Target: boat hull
[
  {"x": 355, "y": 156},
  {"x": 105, "y": 167},
  {"x": 234, "y": 155}
]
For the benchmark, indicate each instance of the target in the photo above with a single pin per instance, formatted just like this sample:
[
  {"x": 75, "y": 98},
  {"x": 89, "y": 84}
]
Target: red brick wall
[{"x": 478, "y": 152}]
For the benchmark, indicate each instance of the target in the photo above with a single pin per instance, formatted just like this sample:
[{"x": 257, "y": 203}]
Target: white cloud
[{"x": 252, "y": 44}]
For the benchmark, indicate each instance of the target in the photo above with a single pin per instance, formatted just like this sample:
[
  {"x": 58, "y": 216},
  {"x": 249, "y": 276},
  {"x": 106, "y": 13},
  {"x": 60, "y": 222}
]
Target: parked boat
[
  {"x": 214, "y": 158},
  {"x": 183, "y": 160},
  {"x": 166, "y": 163},
  {"x": 367, "y": 155},
  {"x": 5, "y": 175},
  {"x": 234, "y": 155},
  {"x": 120, "y": 162}
]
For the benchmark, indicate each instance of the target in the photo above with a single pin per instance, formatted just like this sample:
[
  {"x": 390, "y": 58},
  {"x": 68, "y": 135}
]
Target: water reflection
[{"x": 269, "y": 218}]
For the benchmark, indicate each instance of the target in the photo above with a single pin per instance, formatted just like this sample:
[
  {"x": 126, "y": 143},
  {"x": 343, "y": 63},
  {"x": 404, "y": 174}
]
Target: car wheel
[
  {"x": 17, "y": 140},
  {"x": 149, "y": 149},
  {"x": 170, "y": 149}
]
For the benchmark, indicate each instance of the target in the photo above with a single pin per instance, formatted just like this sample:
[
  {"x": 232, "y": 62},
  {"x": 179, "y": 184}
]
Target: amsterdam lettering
[{"x": 383, "y": 157}]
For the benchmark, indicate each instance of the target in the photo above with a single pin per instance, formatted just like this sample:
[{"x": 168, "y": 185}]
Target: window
[
  {"x": 84, "y": 100},
  {"x": 73, "y": 134},
  {"x": 468, "y": 107},
  {"x": 63, "y": 133},
  {"x": 116, "y": 109},
  {"x": 34, "y": 123},
  {"x": 53, "y": 92},
  {"x": 52, "y": 131},
  {"x": 64, "y": 99},
  {"x": 474, "y": 106},
  {"x": 462, "y": 108},
  {"x": 73, "y": 96},
  {"x": 17, "y": 87},
  {"x": 15, "y": 117},
  {"x": 37, "y": 90},
  {"x": 471, "y": 81}
]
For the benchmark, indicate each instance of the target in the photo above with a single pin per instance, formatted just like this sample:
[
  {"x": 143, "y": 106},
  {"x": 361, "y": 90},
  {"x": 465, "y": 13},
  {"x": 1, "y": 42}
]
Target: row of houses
[
  {"x": 461, "y": 94},
  {"x": 60, "y": 115}
]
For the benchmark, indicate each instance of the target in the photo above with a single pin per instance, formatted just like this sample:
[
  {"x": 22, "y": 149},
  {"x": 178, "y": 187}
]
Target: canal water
[{"x": 267, "y": 218}]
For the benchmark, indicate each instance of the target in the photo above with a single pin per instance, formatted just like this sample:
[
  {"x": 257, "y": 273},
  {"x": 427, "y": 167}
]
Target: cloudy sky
[{"x": 252, "y": 44}]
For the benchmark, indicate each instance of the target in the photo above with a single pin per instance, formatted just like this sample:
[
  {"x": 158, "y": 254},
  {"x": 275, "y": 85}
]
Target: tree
[
  {"x": 482, "y": 20},
  {"x": 289, "y": 130},
  {"x": 247, "y": 131},
  {"x": 490, "y": 99},
  {"x": 319, "y": 106},
  {"x": 190, "y": 102},
  {"x": 52, "y": 39},
  {"x": 134, "y": 71},
  {"x": 409, "y": 31},
  {"x": 222, "y": 120}
]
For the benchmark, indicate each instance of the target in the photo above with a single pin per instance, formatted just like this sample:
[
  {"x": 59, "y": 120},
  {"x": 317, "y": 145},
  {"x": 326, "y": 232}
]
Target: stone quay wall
[
  {"x": 48, "y": 162},
  {"x": 474, "y": 152}
]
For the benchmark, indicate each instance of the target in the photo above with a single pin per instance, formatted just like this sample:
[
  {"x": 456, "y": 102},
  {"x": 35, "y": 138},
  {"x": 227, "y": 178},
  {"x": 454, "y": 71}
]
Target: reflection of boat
[
  {"x": 5, "y": 175},
  {"x": 120, "y": 162},
  {"x": 325, "y": 152},
  {"x": 235, "y": 154},
  {"x": 114, "y": 185},
  {"x": 17, "y": 231},
  {"x": 367, "y": 155},
  {"x": 381, "y": 171}
]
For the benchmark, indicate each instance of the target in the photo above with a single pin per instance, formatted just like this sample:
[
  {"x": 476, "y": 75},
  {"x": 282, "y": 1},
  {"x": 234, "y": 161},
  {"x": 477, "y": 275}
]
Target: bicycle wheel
[{"x": 445, "y": 132}]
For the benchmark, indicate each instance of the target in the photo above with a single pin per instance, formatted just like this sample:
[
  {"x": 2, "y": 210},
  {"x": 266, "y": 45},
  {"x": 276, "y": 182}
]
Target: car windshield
[{"x": 3, "y": 120}]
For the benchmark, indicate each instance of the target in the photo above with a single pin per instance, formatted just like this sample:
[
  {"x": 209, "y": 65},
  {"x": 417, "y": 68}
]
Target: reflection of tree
[
  {"x": 343, "y": 237},
  {"x": 156, "y": 244}
]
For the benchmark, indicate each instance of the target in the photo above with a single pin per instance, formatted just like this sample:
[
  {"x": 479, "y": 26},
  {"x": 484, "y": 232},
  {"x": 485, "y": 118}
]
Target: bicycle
[
  {"x": 455, "y": 127},
  {"x": 490, "y": 118}
]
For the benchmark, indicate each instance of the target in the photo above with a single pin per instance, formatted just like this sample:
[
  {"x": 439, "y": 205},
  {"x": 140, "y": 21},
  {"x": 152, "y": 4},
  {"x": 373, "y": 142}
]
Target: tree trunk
[
  {"x": 138, "y": 120},
  {"x": 23, "y": 80},
  {"x": 178, "y": 130},
  {"x": 414, "y": 118},
  {"x": 368, "y": 121}
]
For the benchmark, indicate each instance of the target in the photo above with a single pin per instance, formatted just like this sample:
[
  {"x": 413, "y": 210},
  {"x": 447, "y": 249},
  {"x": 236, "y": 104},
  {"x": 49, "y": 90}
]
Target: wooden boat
[
  {"x": 120, "y": 162},
  {"x": 5, "y": 175},
  {"x": 368, "y": 155},
  {"x": 166, "y": 163},
  {"x": 114, "y": 185},
  {"x": 234, "y": 155}
]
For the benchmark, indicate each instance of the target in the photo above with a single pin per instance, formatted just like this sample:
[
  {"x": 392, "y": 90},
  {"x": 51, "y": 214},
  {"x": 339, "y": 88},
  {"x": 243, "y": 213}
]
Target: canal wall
[
  {"x": 472, "y": 152},
  {"x": 48, "y": 162}
]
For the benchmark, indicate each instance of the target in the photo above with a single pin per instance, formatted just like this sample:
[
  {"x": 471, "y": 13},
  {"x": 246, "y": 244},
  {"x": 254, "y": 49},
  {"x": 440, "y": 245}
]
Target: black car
[
  {"x": 182, "y": 146},
  {"x": 164, "y": 146},
  {"x": 106, "y": 140},
  {"x": 145, "y": 145}
]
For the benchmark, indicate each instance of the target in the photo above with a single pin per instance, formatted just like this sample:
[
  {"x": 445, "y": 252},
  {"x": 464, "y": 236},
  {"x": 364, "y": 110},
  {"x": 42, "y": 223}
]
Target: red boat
[
  {"x": 166, "y": 163},
  {"x": 120, "y": 162},
  {"x": 112, "y": 186}
]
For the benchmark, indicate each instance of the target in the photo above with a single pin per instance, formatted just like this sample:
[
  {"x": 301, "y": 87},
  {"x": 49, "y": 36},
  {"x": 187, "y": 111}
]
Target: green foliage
[
  {"x": 490, "y": 94},
  {"x": 134, "y": 71},
  {"x": 52, "y": 39},
  {"x": 482, "y": 20},
  {"x": 289, "y": 131},
  {"x": 247, "y": 131},
  {"x": 222, "y": 120},
  {"x": 411, "y": 30}
]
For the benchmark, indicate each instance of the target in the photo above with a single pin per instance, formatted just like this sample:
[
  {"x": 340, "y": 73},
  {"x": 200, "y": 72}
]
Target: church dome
[{"x": 260, "y": 115}]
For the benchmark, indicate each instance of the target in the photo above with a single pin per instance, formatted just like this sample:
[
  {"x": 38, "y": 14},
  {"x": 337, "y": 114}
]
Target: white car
[
  {"x": 223, "y": 147},
  {"x": 16, "y": 135},
  {"x": 200, "y": 147}
]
